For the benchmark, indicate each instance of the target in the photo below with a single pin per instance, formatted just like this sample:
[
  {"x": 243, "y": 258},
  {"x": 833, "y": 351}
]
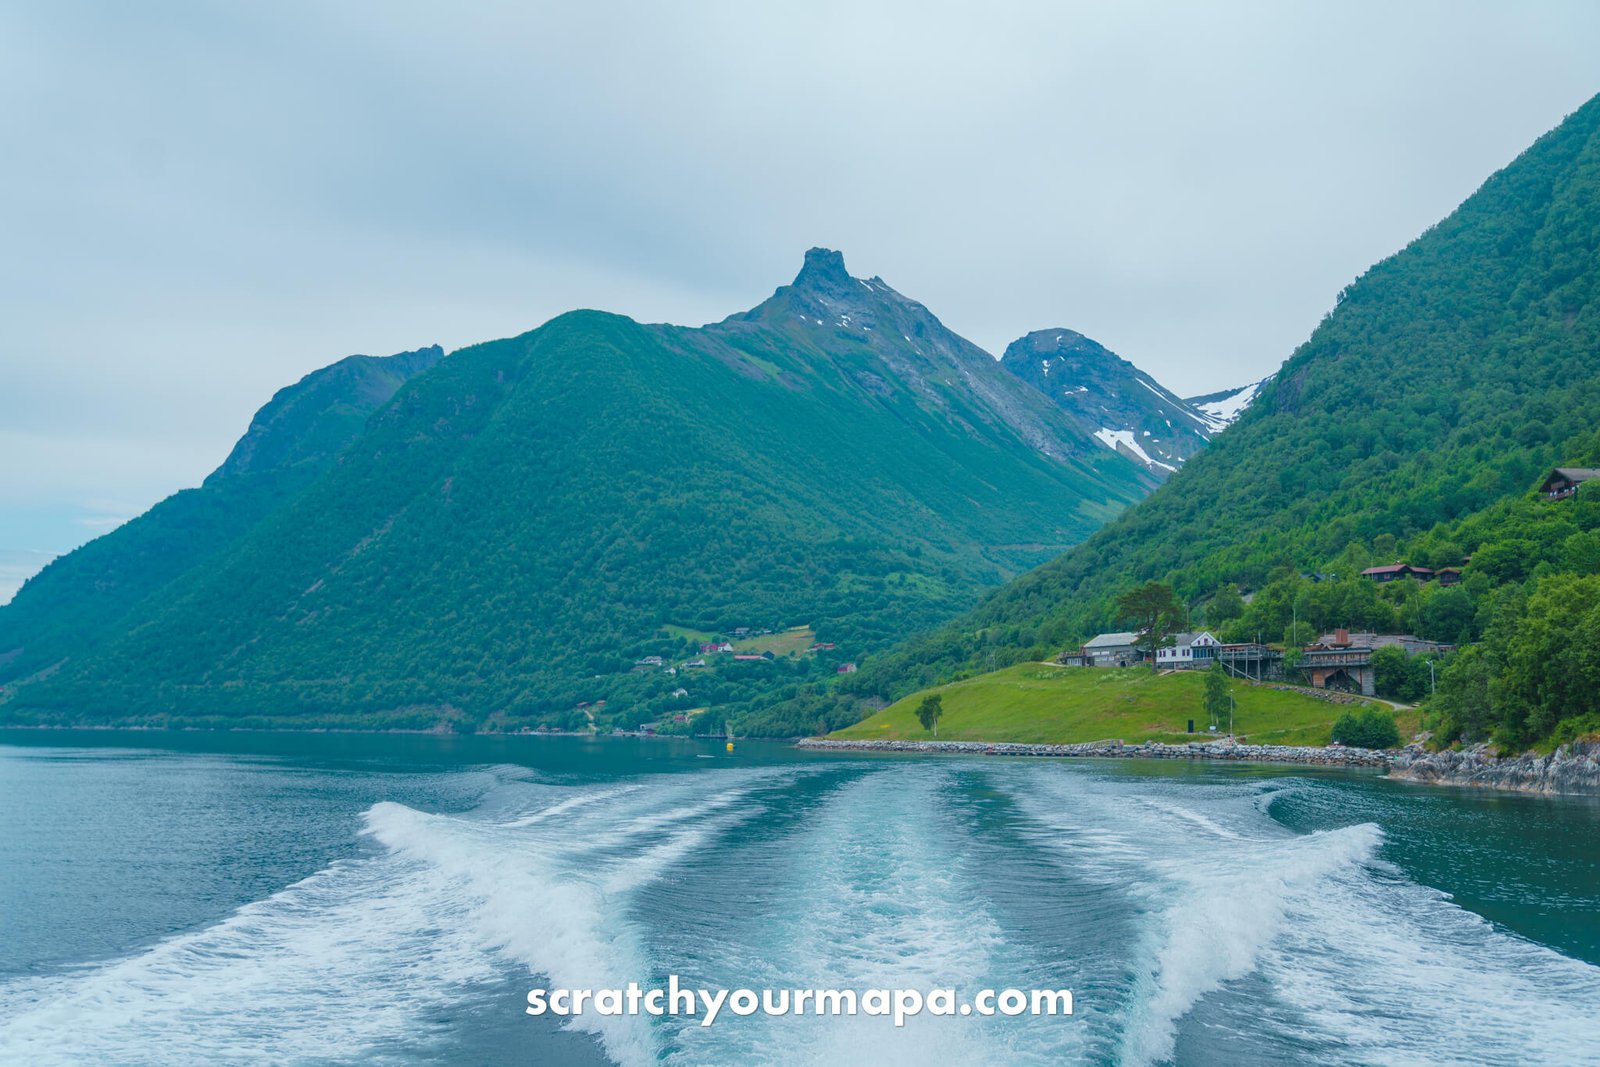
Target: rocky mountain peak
[{"x": 1122, "y": 407}]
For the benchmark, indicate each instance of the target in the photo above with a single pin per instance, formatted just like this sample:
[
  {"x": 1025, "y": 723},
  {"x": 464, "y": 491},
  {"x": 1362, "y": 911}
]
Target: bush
[{"x": 1369, "y": 728}]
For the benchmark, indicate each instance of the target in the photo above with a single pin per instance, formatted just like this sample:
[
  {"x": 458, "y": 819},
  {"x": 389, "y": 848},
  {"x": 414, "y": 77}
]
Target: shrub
[{"x": 1369, "y": 728}]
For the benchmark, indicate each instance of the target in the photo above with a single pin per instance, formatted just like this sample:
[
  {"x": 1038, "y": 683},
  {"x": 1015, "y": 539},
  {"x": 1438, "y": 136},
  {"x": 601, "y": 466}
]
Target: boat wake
[{"x": 1191, "y": 926}]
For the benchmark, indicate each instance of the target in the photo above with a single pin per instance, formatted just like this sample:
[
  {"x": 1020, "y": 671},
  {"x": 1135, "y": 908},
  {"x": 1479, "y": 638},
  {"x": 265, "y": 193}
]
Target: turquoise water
[{"x": 197, "y": 898}]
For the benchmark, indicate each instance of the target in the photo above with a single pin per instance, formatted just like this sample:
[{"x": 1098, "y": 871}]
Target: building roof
[
  {"x": 1376, "y": 641},
  {"x": 1111, "y": 640},
  {"x": 1189, "y": 637},
  {"x": 1390, "y": 568},
  {"x": 1574, "y": 474}
]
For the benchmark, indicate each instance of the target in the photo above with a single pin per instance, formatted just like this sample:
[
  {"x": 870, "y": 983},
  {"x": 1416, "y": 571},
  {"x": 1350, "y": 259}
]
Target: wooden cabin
[{"x": 1563, "y": 482}]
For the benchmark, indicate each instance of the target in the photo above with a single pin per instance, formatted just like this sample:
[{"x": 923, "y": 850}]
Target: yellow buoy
[{"x": 730, "y": 746}]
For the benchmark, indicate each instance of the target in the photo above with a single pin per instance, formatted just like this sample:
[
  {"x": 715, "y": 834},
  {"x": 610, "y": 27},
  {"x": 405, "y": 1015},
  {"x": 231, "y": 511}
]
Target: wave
[
  {"x": 1189, "y": 923},
  {"x": 1324, "y": 950},
  {"x": 356, "y": 959}
]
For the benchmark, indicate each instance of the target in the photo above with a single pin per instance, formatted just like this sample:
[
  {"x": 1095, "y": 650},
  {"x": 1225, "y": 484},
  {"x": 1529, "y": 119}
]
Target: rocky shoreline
[
  {"x": 1214, "y": 750},
  {"x": 1570, "y": 769},
  {"x": 1573, "y": 768}
]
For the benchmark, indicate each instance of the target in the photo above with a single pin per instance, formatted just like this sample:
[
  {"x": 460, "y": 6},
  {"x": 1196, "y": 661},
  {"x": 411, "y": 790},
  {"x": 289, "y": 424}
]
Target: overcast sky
[{"x": 202, "y": 202}]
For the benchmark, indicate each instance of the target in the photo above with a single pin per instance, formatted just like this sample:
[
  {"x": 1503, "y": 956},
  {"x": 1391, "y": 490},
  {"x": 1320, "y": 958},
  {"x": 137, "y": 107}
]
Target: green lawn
[{"x": 1039, "y": 703}]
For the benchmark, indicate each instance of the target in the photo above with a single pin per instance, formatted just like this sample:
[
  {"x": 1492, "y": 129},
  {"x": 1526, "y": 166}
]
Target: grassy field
[
  {"x": 797, "y": 640},
  {"x": 1044, "y": 704}
]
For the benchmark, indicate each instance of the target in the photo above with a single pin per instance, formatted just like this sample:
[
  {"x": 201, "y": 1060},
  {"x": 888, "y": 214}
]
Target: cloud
[{"x": 203, "y": 202}]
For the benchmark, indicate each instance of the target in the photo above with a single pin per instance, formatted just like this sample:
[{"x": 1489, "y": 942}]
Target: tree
[
  {"x": 1369, "y": 728},
  {"x": 1156, "y": 611},
  {"x": 1463, "y": 705},
  {"x": 1216, "y": 697},
  {"x": 1398, "y": 676},
  {"x": 928, "y": 712},
  {"x": 1226, "y": 605}
]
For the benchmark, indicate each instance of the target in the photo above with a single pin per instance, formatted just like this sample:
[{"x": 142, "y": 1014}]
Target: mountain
[
  {"x": 306, "y": 425},
  {"x": 1222, "y": 408},
  {"x": 1448, "y": 378},
  {"x": 1110, "y": 399},
  {"x": 85, "y": 596},
  {"x": 525, "y": 522}
]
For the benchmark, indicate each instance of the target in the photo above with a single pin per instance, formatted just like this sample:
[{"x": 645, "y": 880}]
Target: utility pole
[{"x": 1433, "y": 680}]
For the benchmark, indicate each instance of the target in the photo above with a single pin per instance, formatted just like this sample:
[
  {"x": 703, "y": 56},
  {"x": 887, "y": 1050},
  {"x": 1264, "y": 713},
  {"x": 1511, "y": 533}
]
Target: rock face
[
  {"x": 887, "y": 338},
  {"x": 1573, "y": 768},
  {"x": 1113, "y": 401},
  {"x": 1217, "y": 750}
]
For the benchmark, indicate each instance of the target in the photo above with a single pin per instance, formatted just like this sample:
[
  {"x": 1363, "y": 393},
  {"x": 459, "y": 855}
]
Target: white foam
[
  {"x": 358, "y": 955},
  {"x": 1353, "y": 957}
]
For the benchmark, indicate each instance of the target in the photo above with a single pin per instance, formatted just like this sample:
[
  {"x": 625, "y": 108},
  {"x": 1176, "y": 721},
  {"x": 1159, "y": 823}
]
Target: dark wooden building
[
  {"x": 1393, "y": 572},
  {"x": 1337, "y": 662},
  {"x": 1564, "y": 481}
]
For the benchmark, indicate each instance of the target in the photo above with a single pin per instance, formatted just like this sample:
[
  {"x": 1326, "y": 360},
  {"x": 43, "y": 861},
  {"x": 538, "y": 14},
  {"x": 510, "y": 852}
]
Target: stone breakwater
[
  {"x": 1573, "y": 768},
  {"x": 1218, "y": 750}
]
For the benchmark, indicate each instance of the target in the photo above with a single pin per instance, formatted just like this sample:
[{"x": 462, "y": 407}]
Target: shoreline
[
  {"x": 1214, "y": 750},
  {"x": 1571, "y": 770}
]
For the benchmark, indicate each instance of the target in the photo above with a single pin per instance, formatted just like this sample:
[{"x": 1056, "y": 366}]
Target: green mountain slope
[
  {"x": 1446, "y": 380},
  {"x": 525, "y": 520},
  {"x": 81, "y": 599}
]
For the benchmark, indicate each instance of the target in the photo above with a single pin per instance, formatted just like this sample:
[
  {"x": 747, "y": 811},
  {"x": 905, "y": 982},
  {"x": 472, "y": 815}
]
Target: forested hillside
[
  {"x": 523, "y": 524},
  {"x": 84, "y": 598},
  {"x": 1412, "y": 425}
]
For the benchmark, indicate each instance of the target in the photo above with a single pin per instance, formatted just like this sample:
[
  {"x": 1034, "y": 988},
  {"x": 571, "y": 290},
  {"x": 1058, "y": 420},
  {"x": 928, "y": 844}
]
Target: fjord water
[{"x": 194, "y": 898}]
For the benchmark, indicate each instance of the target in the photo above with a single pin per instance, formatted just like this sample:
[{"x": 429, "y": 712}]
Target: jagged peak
[{"x": 822, "y": 266}]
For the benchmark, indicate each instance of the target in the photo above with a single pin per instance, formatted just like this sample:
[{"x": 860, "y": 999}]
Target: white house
[{"x": 1189, "y": 650}]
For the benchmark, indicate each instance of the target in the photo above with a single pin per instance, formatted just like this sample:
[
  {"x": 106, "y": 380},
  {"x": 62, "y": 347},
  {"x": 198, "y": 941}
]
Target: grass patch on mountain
[
  {"x": 1037, "y": 703},
  {"x": 795, "y": 641}
]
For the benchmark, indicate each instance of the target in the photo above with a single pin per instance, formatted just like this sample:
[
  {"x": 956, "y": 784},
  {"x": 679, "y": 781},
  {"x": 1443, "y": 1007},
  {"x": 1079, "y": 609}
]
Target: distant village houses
[
  {"x": 1393, "y": 572},
  {"x": 845, "y": 668}
]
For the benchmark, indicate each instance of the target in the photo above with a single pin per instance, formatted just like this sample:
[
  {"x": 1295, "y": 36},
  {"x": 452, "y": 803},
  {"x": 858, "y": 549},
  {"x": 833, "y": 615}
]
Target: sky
[{"x": 201, "y": 203}]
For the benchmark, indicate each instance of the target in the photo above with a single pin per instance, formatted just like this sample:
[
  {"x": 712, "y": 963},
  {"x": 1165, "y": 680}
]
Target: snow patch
[
  {"x": 1219, "y": 413},
  {"x": 1153, "y": 389},
  {"x": 1112, "y": 439}
]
